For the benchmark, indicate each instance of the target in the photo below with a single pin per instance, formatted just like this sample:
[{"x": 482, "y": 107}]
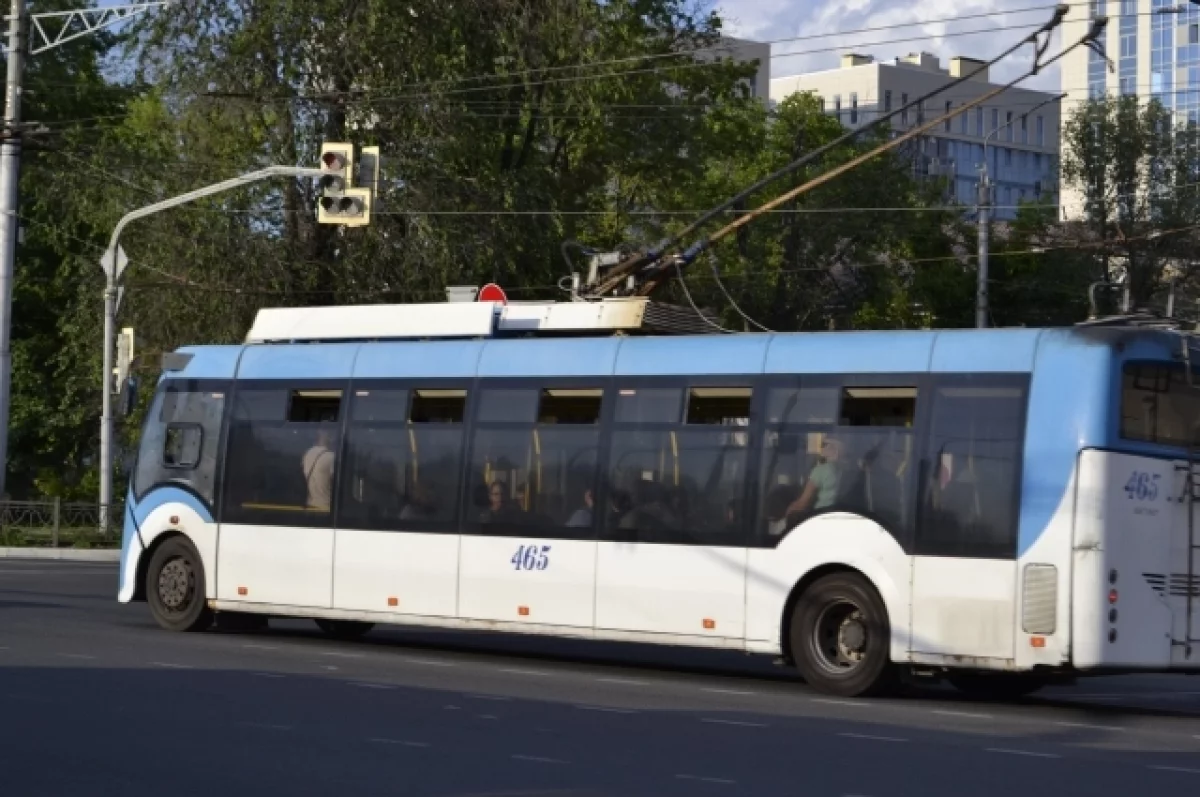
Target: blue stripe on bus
[
  {"x": 550, "y": 357},
  {"x": 302, "y": 361},
  {"x": 984, "y": 351},
  {"x": 168, "y": 495},
  {"x": 208, "y": 362},
  {"x": 849, "y": 352},
  {"x": 700, "y": 355},
  {"x": 433, "y": 359}
]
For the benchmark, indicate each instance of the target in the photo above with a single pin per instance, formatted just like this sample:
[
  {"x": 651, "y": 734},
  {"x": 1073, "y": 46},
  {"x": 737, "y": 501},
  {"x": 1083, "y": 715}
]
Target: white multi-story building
[{"x": 1016, "y": 133}]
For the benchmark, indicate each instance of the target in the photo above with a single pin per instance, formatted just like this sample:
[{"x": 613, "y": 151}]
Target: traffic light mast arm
[{"x": 113, "y": 269}]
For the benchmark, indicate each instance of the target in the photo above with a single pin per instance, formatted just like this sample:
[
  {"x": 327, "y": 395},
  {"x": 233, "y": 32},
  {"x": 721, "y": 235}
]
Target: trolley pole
[{"x": 981, "y": 285}]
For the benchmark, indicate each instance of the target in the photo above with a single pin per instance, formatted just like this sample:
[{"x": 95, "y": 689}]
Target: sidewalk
[{"x": 63, "y": 554}]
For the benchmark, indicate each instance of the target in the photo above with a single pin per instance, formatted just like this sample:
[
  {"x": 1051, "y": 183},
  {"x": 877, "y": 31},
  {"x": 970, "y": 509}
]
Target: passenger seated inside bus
[
  {"x": 318, "y": 473},
  {"x": 821, "y": 488},
  {"x": 421, "y": 504},
  {"x": 582, "y": 517},
  {"x": 651, "y": 508}
]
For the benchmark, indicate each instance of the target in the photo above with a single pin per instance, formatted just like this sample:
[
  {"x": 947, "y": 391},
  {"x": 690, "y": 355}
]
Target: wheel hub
[
  {"x": 174, "y": 585},
  {"x": 852, "y": 637},
  {"x": 840, "y": 637}
]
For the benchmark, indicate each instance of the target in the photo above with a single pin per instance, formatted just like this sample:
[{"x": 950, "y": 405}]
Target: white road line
[
  {"x": 498, "y": 698},
  {"x": 872, "y": 737},
  {"x": 718, "y": 691},
  {"x": 373, "y": 686},
  {"x": 1176, "y": 769},
  {"x": 76, "y": 656},
  {"x": 486, "y": 716},
  {"x": 330, "y": 667},
  {"x": 518, "y": 671},
  {"x": 537, "y": 758},
  {"x": 340, "y": 655},
  {"x": 400, "y": 742},
  {"x": 715, "y": 721},
  {"x": 452, "y": 708},
  {"x": 1089, "y": 726},
  {"x": 607, "y": 709},
  {"x": 266, "y": 726},
  {"x": 625, "y": 681},
  {"x": 703, "y": 779},
  {"x": 269, "y": 675},
  {"x": 261, "y": 647},
  {"x": 830, "y": 702},
  {"x": 966, "y": 714},
  {"x": 172, "y": 666},
  {"x": 429, "y": 662},
  {"x": 1030, "y": 753}
]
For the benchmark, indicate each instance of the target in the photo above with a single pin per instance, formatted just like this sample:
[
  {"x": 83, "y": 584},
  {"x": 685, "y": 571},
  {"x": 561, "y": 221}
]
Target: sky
[{"x": 825, "y": 29}]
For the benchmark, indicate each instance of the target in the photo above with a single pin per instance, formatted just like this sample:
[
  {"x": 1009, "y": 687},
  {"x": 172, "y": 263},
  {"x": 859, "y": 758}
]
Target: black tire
[
  {"x": 344, "y": 629},
  {"x": 840, "y": 637},
  {"x": 995, "y": 686},
  {"x": 175, "y": 587}
]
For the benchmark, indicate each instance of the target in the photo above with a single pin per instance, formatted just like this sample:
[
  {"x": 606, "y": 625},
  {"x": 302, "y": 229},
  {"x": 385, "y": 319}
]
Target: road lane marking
[
  {"x": 607, "y": 709},
  {"x": 538, "y": 759},
  {"x": 401, "y": 742},
  {"x": 1177, "y": 769},
  {"x": 1030, "y": 753},
  {"x": 718, "y": 691},
  {"x": 340, "y": 655},
  {"x": 1089, "y": 726},
  {"x": 486, "y": 716},
  {"x": 266, "y": 726},
  {"x": 519, "y": 671},
  {"x": 872, "y": 737},
  {"x": 76, "y": 656},
  {"x": 171, "y": 666},
  {"x": 260, "y": 647},
  {"x": 702, "y": 779},
  {"x": 966, "y": 714},
  {"x": 829, "y": 702},
  {"x": 269, "y": 675},
  {"x": 373, "y": 686},
  {"x": 498, "y": 698},
  {"x": 428, "y": 662},
  {"x": 625, "y": 681},
  {"x": 452, "y": 708},
  {"x": 740, "y": 723}
]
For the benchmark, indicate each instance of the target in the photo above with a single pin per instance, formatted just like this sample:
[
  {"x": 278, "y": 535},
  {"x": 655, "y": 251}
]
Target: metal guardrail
[{"x": 57, "y": 524}]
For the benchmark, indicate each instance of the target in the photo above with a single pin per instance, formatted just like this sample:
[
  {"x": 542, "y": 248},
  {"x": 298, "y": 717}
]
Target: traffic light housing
[{"x": 341, "y": 202}]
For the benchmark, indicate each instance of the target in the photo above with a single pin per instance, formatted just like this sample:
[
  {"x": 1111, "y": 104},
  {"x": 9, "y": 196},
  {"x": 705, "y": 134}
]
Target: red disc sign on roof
[{"x": 492, "y": 293}]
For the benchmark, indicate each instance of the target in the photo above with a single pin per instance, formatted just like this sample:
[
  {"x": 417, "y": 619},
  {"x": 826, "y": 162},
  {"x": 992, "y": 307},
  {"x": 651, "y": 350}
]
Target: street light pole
[
  {"x": 113, "y": 263},
  {"x": 10, "y": 177}
]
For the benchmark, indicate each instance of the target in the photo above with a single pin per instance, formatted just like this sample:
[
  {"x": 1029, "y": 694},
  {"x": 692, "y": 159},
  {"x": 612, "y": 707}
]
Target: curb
[{"x": 62, "y": 554}]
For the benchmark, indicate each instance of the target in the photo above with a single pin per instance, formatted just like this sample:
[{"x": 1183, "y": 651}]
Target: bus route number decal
[
  {"x": 531, "y": 557},
  {"x": 1142, "y": 486}
]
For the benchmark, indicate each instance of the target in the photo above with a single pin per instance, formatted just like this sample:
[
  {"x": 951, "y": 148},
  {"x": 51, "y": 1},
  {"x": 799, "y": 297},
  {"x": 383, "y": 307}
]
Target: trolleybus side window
[
  {"x": 971, "y": 469},
  {"x": 182, "y": 438},
  {"x": 281, "y": 464},
  {"x": 1158, "y": 405},
  {"x": 677, "y": 465},
  {"x": 831, "y": 446},
  {"x": 403, "y": 458},
  {"x": 533, "y": 462}
]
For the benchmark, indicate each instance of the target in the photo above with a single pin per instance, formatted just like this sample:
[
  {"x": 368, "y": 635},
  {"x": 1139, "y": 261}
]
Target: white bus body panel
[
  {"x": 963, "y": 608},
  {"x": 1138, "y": 537},
  {"x": 418, "y": 572},
  {"x": 834, "y": 539},
  {"x": 275, "y": 564},
  {"x": 492, "y": 587},
  {"x": 671, "y": 589}
]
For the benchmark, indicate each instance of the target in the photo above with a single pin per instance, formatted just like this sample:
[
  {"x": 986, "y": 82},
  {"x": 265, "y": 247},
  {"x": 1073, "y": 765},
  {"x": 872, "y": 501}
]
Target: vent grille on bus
[
  {"x": 1039, "y": 601},
  {"x": 1175, "y": 584},
  {"x": 672, "y": 319}
]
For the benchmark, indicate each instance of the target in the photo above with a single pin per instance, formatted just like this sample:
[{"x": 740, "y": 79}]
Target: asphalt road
[{"x": 96, "y": 700}]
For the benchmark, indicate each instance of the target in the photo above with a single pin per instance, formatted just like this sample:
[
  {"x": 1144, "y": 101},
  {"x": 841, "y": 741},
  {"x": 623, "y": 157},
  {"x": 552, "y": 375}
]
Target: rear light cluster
[{"x": 1112, "y": 605}]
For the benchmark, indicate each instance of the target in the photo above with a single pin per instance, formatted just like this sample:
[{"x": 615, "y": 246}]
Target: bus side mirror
[{"x": 129, "y": 396}]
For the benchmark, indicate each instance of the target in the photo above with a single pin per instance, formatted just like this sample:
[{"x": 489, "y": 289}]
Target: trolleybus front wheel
[
  {"x": 175, "y": 587},
  {"x": 840, "y": 637}
]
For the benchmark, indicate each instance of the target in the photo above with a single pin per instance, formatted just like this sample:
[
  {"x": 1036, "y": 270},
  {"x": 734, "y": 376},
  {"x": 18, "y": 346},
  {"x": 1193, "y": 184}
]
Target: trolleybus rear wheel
[{"x": 840, "y": 637}]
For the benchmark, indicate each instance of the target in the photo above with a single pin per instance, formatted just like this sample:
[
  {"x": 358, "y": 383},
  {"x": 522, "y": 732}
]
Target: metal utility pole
[
  {"x": 985, "y": 213},
  {"x": 113, "y": 262},
  {"x": 65, "y": 26},
  {"x": 10, "y": 177}
]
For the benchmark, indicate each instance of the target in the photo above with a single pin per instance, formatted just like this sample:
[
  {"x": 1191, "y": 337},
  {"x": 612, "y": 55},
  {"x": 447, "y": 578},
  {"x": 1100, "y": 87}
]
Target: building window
[
  {"x": 1008, "y": 131},
  {"x": 946, "y": 124},
  {"x": 887, "y": 101},
  {"x": 837, "y": 106},
  {"x": 995, "y": 121},
  {"x": 904, "y": 108},
  {"x": 1193, "y": 34},
  {"x": 854, "y": 107},
  {"x": 1040, "y": 131},
  {"x": 1024, "y": 130},
  {"x": 1008, "y": 156},
  {"x": 964, "y": 121},
  {"x": 979, "y": 121}
]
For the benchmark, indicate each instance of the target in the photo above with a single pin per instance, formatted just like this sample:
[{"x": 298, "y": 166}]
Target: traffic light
[{"x": 340, "y": 202}]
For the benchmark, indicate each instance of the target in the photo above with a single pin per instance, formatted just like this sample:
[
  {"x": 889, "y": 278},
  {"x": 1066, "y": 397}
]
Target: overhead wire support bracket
[
  {"x": 695, "y": 250},
  {"x": 82, "y": 22},
  {"x": 646, "y": 258}
]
